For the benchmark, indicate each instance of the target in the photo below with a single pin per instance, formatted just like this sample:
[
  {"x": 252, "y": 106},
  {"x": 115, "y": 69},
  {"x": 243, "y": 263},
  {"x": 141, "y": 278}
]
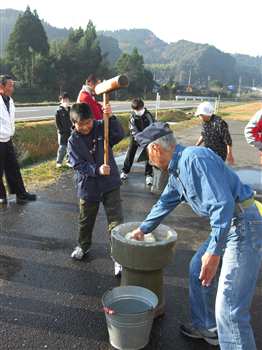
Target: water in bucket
[{"x": 129, "y": 306}]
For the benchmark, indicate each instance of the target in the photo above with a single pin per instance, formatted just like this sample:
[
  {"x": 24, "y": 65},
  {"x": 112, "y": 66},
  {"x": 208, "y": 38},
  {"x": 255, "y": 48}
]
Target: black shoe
[
  {"x": 25, "y": 197},
  {"x": 209, "y": 335},
  {"x": 3, "y": 202}
]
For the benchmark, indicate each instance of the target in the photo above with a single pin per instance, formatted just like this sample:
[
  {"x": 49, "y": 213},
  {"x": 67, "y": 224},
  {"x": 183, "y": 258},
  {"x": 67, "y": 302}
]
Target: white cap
[{"x": 205, "y": 108}]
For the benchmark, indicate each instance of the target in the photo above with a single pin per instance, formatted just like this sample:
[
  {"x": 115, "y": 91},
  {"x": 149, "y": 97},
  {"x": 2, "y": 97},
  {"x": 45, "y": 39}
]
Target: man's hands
[
  {"x": 104, "y": 170},
  {"x": 138, "y": 234},
  {"x": 209, "y": 268},
  {"x": 107, "y": 111}
]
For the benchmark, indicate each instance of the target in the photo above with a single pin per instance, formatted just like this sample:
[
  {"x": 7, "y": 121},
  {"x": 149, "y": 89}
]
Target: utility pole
[
  {"x": 189, "y": 79},
  {"x": 239, "y": 86},
  {"x": 180, "y": 76},
  {"x": 157, "y": 104}
]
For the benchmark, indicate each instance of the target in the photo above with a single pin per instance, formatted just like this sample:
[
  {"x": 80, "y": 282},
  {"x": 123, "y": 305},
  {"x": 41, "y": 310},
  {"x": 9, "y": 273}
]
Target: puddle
[
  {"x": 8, "y": 267},
  {"x": 251, "y": 177}
]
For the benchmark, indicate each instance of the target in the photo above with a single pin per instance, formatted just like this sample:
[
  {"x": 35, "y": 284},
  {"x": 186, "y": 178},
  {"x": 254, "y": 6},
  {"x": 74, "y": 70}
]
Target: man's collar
[
  {"x": 176, "y": 156},
  {"x": 88, "y": 89}
]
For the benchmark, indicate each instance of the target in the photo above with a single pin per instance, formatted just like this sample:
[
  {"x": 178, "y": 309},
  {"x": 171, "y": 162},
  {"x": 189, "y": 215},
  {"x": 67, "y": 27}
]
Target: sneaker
[
  {"x": 123, "y": 176},
  {"x": 118, "y": 269},
  {"x": 209, "y": 335},
  {"x": 78, "y": 253},
  {"x": 25, "y": 197},
  {"x": 3, "y": 202},
  {"x": 58, "y": 165},
  {"x": 149, "y": 180},
  {"x": 68, "y": 165}
]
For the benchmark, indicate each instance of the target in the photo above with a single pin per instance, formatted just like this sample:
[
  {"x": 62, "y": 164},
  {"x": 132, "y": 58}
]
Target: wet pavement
[{"x": 48, "y": 301}]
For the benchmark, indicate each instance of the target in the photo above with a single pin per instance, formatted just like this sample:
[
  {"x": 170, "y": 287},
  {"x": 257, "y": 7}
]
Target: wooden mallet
[{"x": 105, "y": 88}]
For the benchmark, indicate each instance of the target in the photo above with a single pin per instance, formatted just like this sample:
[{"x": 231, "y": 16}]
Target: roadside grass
[
  {"x": 241, "y": 112},
  {"x": 35, "y": 141},
  {"x": 42, "y": 174}
]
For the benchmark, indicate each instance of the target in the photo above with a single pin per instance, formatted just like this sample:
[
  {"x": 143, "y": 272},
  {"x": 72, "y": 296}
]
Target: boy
[
  {"x": 139, "y": 120},
  {"x": 63, "y": 125},
  {"x": 87, "y": 95},
  {"x": 96, "y": 181}
]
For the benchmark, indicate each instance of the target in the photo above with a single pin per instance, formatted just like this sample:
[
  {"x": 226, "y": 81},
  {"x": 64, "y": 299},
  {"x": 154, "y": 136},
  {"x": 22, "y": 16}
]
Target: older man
[
  {"x": 8, "y": 162},
  {"x": 201, "y": 178},
  {"x": 215, "y": 133}
]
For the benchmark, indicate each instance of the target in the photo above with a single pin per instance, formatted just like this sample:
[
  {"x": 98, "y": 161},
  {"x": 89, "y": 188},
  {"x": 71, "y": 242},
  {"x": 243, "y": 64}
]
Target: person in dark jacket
[
  {"x": 64, "y": 126},
  {"x": 139, "y": 120},
  {"x": 96, "y": 181},
  {"x": 215, "y": 133}
]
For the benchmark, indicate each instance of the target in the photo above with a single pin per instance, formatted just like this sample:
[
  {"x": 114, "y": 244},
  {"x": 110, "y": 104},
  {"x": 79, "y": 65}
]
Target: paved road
[
  {"x": 47, "y": 301},
  {"x": 33, "y": 113}
]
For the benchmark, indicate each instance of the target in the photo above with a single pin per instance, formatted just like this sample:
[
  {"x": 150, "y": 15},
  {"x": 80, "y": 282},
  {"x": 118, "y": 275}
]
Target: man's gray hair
[{"x": 167, "y": 141}]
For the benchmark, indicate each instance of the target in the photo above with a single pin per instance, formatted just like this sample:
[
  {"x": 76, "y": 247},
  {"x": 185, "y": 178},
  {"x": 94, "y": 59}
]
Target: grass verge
[{"x": 241, "y": 112}]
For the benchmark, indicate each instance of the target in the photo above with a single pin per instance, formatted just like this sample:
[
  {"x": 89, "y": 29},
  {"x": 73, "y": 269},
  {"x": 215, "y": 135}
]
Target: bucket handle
[{"x": 109, "y": 311}]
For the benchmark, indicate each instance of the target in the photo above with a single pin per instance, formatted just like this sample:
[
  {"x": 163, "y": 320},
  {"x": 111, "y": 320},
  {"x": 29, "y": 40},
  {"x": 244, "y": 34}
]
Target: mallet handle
[{"x": 106, "y": 130}]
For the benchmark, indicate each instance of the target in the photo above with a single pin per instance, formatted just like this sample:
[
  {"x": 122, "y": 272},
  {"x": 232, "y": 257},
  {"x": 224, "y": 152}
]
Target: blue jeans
[
  {"x": 236, "y": 286},
  {"x": 62, "y": 151}
]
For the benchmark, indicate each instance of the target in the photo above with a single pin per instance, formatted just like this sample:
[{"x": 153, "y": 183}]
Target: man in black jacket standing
[
  {"x": 63, "y": 125},
  {"x": 139, "y": 120}
]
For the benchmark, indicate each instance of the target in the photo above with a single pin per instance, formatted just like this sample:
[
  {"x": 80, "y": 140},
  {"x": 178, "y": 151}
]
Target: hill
[
  {"x": 147, "y": 43},
  {"x": 8, "y": 18},
  {"x": 203, "y": 62}
]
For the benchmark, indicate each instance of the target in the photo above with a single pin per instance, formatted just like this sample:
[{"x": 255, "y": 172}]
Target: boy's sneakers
[
  {"x": 58, "y": 165},
  {"x": 209, "y": 335},
  {"x": 78, "y": 253},
  {"x": 123, "y": 176},
  {"x": 118, "y": 269},
  {"x": 68, "y": 165},
  {"x": 3, "y": 202},
  {"x": 25, "y": 197},
  {"x": 149, "y": 180}
]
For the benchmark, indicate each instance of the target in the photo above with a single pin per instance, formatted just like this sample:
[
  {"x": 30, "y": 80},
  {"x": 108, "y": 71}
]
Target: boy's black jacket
[{"x": 63, "y": 124}]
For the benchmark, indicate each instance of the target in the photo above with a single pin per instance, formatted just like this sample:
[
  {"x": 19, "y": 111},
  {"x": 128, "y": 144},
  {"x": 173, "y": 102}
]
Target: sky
[{"x": 231, "y": 25}]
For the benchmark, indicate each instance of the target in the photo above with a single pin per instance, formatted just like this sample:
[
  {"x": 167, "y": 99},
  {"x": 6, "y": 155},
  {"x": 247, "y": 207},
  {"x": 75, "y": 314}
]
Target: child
[
  {"x": 63, "y": 125},
  {"x": 139, "y": 120},
  {"x": 96, "y": 181}
]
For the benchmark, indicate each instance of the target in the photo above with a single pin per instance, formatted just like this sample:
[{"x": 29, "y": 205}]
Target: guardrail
[{"x": 195, "y": 98}]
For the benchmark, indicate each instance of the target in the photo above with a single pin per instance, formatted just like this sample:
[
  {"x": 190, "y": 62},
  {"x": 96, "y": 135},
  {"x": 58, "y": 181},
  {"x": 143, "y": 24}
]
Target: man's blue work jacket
[{"x": 199, "y": 177}]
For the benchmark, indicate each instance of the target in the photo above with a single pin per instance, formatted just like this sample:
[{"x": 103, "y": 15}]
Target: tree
[
  {"x": 77, "y": 57},
  {"x": 27, "y": 40},
  {"x": 140, "y": 80}
]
